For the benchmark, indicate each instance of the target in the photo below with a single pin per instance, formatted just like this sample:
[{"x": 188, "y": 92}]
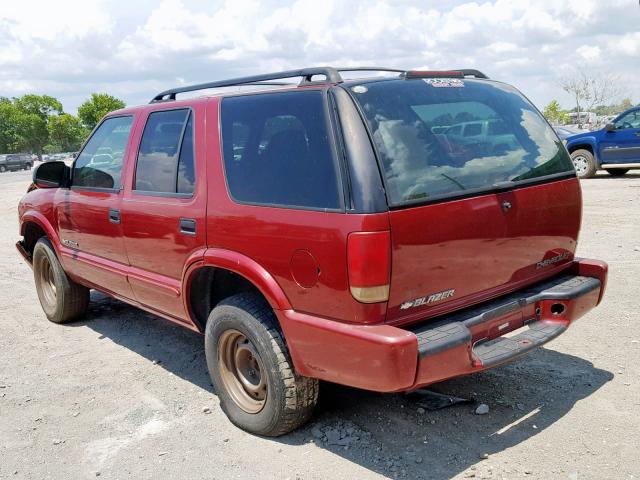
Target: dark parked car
[
  {"x": 322, "y": 231},
  {"x": 15, "y": 161}
]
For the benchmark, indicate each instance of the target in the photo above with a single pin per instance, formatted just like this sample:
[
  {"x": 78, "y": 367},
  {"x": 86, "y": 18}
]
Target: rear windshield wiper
[{"x": 461, "y": 186}]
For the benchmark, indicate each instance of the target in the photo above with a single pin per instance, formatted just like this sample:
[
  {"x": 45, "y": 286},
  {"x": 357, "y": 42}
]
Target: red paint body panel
[
  {"x": 378, "y": 357},
  {"x": 156, "y": 249},
  {"x": 477, "y": 248}
]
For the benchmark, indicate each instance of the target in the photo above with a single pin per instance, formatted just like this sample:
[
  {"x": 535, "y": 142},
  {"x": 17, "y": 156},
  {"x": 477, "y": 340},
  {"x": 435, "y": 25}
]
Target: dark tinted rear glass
[
  {"x": 277, "y": 150},
  {"x": 439, "y": 138}
]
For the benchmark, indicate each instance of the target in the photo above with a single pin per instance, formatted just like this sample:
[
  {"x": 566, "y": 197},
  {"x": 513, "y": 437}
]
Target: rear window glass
[
  {"x": 277, "y": 150},
  {"x": 437, "y": 141}
]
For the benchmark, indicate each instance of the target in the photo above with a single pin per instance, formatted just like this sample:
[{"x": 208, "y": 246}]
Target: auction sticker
[{"x": 444, "y": 82}]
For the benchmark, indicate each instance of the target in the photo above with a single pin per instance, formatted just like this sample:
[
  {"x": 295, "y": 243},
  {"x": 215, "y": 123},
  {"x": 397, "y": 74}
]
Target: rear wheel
[
  {"x": 251, "y": 368},
  {"x": 62, "y": 299},
  {"x": 584, "y": 163},
  {"x": 617, "y": 172}
]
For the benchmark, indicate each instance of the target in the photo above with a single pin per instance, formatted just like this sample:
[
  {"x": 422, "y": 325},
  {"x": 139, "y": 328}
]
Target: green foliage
[
  {"x": 555, "y": 114},
  {"x": 92, "y": 111},
  {"x": 66, "y": 133},
  {"x": 37, "y": 123}
]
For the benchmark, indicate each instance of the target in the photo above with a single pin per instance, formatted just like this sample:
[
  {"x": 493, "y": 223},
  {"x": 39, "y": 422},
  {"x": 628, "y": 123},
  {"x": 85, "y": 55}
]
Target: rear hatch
[{"x": 483, "y": 195}]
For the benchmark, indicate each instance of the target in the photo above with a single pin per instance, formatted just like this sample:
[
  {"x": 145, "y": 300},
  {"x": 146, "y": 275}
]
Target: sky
[{"x": 134, "y": 49}]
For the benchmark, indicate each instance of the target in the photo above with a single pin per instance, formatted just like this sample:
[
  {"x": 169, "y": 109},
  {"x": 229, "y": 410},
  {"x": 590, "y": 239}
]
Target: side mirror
[
  {"x": 51, "y": 175},
  {"x": 610, "y": 127}
]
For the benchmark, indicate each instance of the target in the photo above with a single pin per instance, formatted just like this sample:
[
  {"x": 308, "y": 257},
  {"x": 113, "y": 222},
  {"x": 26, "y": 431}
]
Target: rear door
[
  {"x": 89, "y": 217},
  {"x": 622, "y": 145},
  {"x": 468, "y": 221},
  {"x": 164, "y": 206}
]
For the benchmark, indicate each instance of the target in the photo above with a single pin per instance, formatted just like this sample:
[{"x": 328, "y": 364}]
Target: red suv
[{"x": 339, "y": 230}]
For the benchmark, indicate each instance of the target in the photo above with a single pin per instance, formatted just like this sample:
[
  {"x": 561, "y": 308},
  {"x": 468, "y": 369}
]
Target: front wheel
[
  {"x": 617, "y": 172},
  {"x": 584, "y": 163},
  {"x": 27, "y": 166},
  {"x": 3, "y": 169},
  {"x": 251, "y": 368},
  {"x": 62, "y": 299}
]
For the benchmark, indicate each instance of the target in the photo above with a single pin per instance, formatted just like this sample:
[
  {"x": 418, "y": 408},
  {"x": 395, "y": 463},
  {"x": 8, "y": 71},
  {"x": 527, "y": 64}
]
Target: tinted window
[
  {"x": 165, "y": 158},
  {"x": 99, "y": 165},
  {"x": 472, "y": 130},
  {"x": 630, "y": 120},
  {"x": 416, "y": 126},
  {"x": 277, "y": 150}
]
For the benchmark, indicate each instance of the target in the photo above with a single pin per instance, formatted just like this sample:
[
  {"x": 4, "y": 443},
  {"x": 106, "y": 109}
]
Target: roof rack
[
  {"x": 469, "y": 72},
  {"x": 330, "y": 74}
]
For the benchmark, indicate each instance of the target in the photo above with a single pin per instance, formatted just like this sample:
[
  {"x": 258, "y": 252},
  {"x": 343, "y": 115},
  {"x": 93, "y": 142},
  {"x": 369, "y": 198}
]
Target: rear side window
[
  {"x": 442, "y": 139},
  {"x": 165, "y": 158},
  {"x": 99, "y": 165},
  {"x": 277, "y": 150}
]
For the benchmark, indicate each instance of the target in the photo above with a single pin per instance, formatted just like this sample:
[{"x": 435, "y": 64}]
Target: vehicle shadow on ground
[{"x": 387, "y": 433}]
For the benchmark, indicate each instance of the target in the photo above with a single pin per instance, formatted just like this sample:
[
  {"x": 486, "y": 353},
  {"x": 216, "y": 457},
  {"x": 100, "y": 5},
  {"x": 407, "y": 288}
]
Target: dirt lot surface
[{"x": 127, "y": 395}]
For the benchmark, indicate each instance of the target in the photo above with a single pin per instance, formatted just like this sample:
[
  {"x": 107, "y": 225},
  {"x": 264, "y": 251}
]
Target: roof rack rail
[
  {"x": 370, "y": 69},
  {"x": 469, "y": 72},
  {"x": 331, "y": 76}
]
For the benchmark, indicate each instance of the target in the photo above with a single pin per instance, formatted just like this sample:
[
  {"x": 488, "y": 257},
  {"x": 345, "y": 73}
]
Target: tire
[
  {"x": 3, "y": 169},
  {"x": 617, "y": 172},
  {"x": 62, "y": 299},
  {"x": 243, "y": 330},
  {"x": 584, "y": 163},
  {"x": 27, "y": 166}
]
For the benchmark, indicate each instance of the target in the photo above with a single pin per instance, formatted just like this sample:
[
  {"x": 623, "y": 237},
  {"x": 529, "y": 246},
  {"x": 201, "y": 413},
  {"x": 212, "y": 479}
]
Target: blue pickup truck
[{"x": 615, "y": 148}]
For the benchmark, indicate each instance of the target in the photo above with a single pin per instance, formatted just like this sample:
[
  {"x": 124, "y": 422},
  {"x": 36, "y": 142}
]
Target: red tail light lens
[{"x": 369, "y": 263}]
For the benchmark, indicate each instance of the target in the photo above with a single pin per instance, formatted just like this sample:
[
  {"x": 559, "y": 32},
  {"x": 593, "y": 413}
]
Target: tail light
[{"x": 369, "y": 264}]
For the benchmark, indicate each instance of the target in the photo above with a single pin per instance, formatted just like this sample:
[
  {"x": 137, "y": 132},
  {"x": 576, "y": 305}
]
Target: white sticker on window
[{"x": 444, "y": 82}]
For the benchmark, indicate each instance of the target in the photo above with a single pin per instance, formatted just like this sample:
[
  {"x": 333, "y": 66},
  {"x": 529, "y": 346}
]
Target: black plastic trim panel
[{"x": 452, "y": 330}]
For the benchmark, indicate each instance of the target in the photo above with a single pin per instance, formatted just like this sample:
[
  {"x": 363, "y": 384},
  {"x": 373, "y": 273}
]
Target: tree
[
  {"x": 92, "y": 111},
  {"x": 625, "y": 104},
  {"x": 40, "y": 105},
  {"x": 8, "y": 131},
  {"x": 66, "y": 133},
  {"x": 589, "y": 91},
  {"x": 554, "y": 114}
]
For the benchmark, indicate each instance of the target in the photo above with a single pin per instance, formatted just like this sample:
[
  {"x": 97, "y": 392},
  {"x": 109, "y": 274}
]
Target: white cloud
[{"x": 70, "y": 48}]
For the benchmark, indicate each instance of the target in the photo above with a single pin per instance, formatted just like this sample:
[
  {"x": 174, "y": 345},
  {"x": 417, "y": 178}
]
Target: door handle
[
  {"x": 114, "y": 215},
  {"x": 188, "y": 226}
]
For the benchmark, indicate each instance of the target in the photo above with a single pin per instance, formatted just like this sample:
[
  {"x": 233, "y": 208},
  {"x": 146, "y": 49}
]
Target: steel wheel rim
[
  {"x": 581, "y": 164},
  {"x": 46, "y": 280},
  {"x": 242, "y": 371}
]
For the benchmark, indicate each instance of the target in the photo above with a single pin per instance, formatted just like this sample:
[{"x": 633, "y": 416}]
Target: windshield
[{"x": 444, "y": 137}]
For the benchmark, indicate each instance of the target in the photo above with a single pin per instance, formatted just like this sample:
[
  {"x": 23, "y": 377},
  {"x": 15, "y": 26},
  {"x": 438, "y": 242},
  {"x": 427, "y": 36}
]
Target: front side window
[
  {"x": 630, "y": 120},
  {"x": 165, "y": 158},
  {"x": 438, "y": 139},
  {"x": 99, "y": 165},
  {"x": 277, "y": 150}
]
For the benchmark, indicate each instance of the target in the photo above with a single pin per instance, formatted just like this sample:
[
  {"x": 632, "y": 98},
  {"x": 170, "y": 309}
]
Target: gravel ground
[{"x": 127, "y": 395}]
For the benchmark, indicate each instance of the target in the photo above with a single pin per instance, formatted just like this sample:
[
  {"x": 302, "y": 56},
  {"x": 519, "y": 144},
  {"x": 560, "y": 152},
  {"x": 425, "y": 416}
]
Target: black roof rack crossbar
[
  {"x": 370, "y": 69},
  {"x": 469, "y": 72},
  {"x": 331, "y": 76}
]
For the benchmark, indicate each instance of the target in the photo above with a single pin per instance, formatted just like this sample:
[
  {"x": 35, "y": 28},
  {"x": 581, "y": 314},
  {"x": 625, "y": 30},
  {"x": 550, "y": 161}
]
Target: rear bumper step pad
[
  {"x": 501, "y": 349},
  {"x": 455, "y": 330}
]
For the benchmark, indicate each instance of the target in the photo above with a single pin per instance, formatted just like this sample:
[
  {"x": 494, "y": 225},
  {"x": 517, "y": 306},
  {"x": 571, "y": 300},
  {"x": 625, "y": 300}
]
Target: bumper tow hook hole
[
  {"x": 557, "y": 308},
  {"x": 538, "y": 311}
]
